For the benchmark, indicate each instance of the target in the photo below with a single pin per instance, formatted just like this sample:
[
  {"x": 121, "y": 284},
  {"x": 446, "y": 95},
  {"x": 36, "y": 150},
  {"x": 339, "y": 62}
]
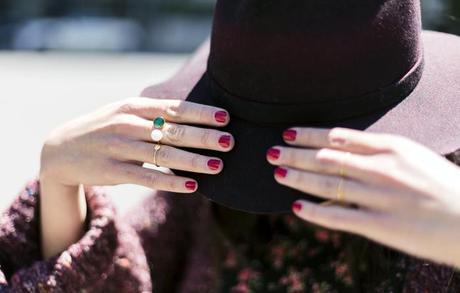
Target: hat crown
[{"x": 291, "y": 51}]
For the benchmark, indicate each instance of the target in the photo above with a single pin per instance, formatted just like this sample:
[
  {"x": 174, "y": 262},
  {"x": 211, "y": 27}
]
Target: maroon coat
[{"x": 168, "y": 243}]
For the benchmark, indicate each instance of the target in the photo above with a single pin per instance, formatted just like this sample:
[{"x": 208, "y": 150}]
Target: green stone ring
[{"x": 159, "y": 122}]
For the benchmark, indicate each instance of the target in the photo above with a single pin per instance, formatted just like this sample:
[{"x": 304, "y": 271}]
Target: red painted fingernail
[
  {"x": 273, "y": 154},
  {"x": 296, "y": 206},
  {"x": 290, "y": 135},
  {"x": 225, "y": 141},
  {"x": 281, "y": 172},
  {"x": 221, "y": 116},
  {"x": 190, "y": 185},
  {"x": 214, "y": 164}
]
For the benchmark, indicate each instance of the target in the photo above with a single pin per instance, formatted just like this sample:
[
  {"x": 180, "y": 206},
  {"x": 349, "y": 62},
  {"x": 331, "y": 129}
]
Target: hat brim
[{"x": 429, "y": 115}]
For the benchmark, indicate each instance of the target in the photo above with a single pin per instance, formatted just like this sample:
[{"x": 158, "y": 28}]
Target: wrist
[{"x": 63, "y": 213}]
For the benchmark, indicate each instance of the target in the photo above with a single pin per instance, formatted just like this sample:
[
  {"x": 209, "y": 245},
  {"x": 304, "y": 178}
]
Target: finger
[
  {"x": 327, "y": 161},
  {"x": 194, "y": 137},
  {"x": 170, "y": 157},
  {"x": 356, "y": 221},
  {"x": 362, "y": 168},
  {"x": 177, "y": 134},
  {"x": 338, "y": 138},
  {"x": 177, "y": 111},
  {"x": 337, "y": 188},
  {"x": 129, "y": 173}
]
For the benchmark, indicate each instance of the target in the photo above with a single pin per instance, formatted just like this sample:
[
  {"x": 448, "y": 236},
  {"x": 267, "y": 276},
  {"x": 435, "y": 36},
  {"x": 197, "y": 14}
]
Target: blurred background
[
  {"x": 60, "y": 59},
  {"x": 140, "y": 25},
  {"x": 107, "y": 25}
]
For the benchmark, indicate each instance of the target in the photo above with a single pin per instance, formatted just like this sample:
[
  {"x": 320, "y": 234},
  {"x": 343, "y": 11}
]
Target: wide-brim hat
[{"x": 317, "y": 63}]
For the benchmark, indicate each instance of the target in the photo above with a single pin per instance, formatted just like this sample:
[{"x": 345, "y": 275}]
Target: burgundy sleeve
[
  {"x": 108, "y": 256},
  {"x": 423, "y": 276}
]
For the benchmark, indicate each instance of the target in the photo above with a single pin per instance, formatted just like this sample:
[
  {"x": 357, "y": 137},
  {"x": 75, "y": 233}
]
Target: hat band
[{"x": 325, "y": 111}]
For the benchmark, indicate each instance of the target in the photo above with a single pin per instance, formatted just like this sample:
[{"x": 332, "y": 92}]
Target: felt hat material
[{"x": 321, "y": 63}]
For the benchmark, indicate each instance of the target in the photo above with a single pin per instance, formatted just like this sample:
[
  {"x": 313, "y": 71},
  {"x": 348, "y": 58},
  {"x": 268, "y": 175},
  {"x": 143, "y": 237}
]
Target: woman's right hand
[{"x": 109, "y": 146}]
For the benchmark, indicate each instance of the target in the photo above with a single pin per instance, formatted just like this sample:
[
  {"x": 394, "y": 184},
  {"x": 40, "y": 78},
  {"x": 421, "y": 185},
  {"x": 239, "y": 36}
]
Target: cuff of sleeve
[
  {"x": 80, "y": 266},
  {"x": 19, "y": 231}
]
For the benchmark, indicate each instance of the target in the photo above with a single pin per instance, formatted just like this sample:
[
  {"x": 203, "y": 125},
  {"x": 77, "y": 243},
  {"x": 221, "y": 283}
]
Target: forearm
[{"x": 63, "y": 213}]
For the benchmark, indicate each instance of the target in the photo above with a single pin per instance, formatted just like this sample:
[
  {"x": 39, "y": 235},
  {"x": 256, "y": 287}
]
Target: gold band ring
[
  {"x": 342, "y": 174},
  {"x": 339, "y": 194},
  {"x": 156, "y": 148}
]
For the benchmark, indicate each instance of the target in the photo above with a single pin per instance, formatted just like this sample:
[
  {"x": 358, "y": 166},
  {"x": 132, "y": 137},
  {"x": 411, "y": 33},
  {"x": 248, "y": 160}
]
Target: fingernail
[
  {"x": 225, "y": 140},
  {"x": 214, "y": 164},
  {"x": 190, "y": 185},
  {"x": 296, "y": 207},
  {"x": 273, "y": 154},
  {"x": 281, "y": 172},
  {"x": 221, "y": 116},
  {"x": 290, "y": 135}
]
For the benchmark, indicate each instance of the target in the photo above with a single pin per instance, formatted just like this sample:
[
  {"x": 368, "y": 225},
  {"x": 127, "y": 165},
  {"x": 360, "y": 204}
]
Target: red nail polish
[
  {"x": 296, "y": 206},
  {"x": 190, "y": 185},
  {"x": 214, "y": 164},
  {"x": 273, "y": 154},
  {"x": 225, "y": 141},
  {"x": 221, "y": 116},
  {"x": 290, "y": 135},
  {"x": 281, "y": 172}
]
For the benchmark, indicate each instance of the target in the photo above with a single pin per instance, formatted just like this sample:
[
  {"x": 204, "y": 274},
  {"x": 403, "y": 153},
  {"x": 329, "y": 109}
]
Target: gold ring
[
  {"x": 340, "y": 190},
  {"x": 156, "y": 148},
  {"x": 343, "y": 174}
]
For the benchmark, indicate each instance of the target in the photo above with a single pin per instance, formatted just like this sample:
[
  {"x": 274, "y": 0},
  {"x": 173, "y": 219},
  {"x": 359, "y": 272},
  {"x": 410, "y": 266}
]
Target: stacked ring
[
  {"x": 156, "y": 148},
  {"x": 157, "y": 134},
  {"x": 339, "y": 194}
]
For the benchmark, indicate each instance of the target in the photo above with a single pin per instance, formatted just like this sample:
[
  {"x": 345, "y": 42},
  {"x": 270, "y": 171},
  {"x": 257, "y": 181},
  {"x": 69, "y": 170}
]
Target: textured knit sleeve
[{"x": 108, "y": 256}]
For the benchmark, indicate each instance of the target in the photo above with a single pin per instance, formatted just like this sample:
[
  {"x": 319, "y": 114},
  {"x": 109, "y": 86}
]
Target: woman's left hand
[{"x": 403, "y": 194}]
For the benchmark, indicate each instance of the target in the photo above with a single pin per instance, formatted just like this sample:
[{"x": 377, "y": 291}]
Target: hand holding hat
[
  {"x": 110, "y": 146},
  {"x": 402, "y": 194}
]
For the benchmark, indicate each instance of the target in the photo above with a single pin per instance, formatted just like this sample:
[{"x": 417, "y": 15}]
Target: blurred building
[
  {"x": 108, "y": 25},
  {"x": 140, "y": 25}
]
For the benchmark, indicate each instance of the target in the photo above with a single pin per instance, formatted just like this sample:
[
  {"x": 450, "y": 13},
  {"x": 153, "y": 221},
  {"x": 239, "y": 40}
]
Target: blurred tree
[{"x": 455, "y": 17}]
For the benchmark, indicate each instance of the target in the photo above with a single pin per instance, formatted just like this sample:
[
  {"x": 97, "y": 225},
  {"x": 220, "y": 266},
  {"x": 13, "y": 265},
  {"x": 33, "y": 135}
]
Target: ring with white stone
[{"x": 156, "y": 135}]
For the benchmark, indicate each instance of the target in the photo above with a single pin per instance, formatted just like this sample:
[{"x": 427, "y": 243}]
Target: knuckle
[
  {"x": 152, "y": 179},
  {"x": 127, "y": 106},
  {"x": 203, "y": 113},
  {"x": 289, "y": 156},
  {"x": 205, "y": 138},
  {"x": 173, "y": 184},
  {"x": 164, "y": 155},
  {"x": 304, "y": 134},
  {"x": 297, "y": 178},
  {"x": 196, "y": 162},
  {"x": 176, "y": 133},
  {"x": 175, "y": 110},
  {"x": 334, "y": 133}
]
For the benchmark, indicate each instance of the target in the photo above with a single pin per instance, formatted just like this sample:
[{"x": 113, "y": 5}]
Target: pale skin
[
  {"x": 405, "y": 196},
  {"x": 109, "y": 147}
]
